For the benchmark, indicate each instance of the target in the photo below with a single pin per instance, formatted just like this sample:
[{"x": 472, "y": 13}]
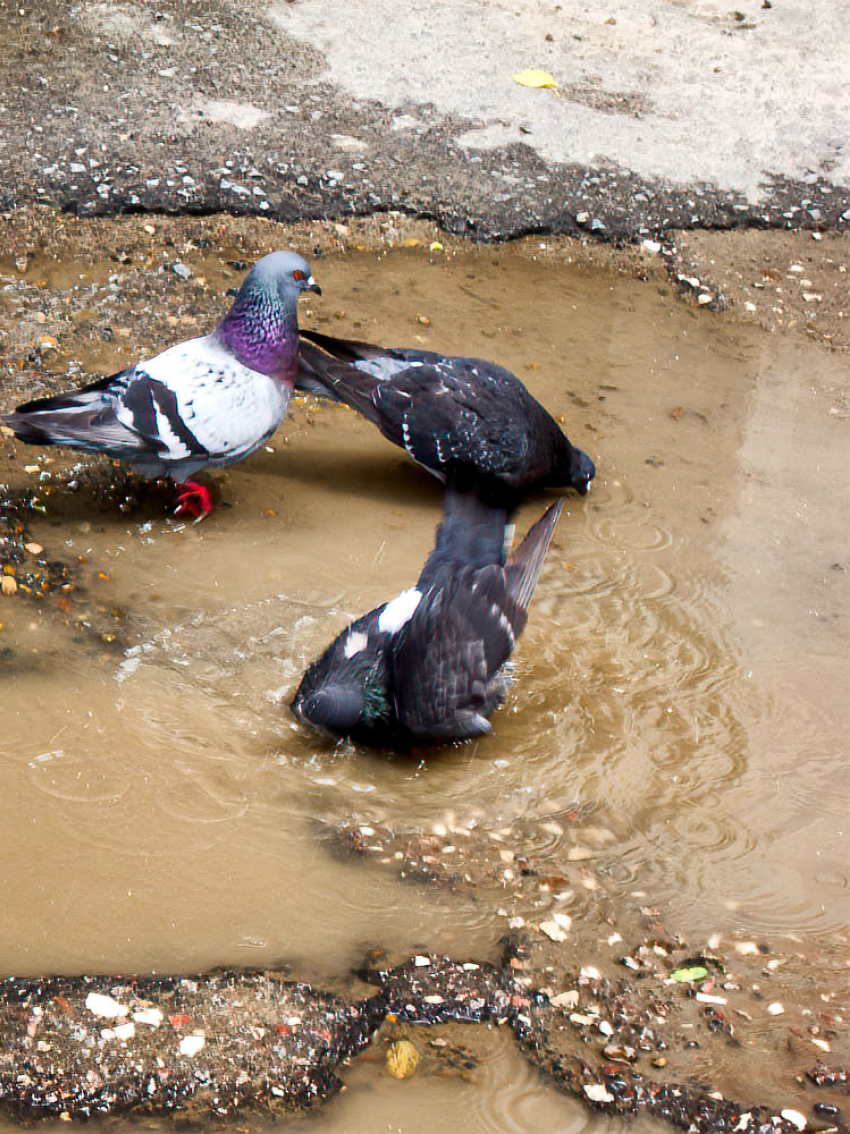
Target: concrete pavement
[{"x": 666, "y": 114}]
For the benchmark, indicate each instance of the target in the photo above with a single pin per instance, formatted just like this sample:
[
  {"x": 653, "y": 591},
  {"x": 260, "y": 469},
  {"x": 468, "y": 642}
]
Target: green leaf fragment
[{"x": 683, "y": 976}]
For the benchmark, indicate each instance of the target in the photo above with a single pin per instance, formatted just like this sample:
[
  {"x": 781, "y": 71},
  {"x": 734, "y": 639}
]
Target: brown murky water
[{"x": 683, "y": 676}]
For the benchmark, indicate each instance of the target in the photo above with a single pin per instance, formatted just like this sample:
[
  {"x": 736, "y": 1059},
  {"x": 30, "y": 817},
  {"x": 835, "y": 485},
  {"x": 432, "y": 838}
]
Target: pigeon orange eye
[{"x": 298, "y": 275}]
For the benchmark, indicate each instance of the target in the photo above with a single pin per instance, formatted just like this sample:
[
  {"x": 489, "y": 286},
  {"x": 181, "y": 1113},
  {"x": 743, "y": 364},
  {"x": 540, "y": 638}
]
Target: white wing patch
[
  {"x": 177, "y": 450},
  {"x": 405, "y": 433},
  {"x": 496, "y": 610},
  {"x": 354, "y": 643},
  {"x": 384, "y": 367},
  {"x": 399, "y": 611}
]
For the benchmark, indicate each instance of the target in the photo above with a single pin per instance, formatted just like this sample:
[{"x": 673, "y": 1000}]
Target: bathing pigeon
[
  {"x": 466, "y": 420},
  {"x": 207, "y": 401},
  {"x": 429, "y": 666}
]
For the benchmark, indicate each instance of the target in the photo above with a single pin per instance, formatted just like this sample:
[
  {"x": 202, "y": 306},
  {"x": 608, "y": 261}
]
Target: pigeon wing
[
  {"x": 444, "y": 414},
  {"x": 445, "y": 662},
  {"x": 88, "y": 418}
]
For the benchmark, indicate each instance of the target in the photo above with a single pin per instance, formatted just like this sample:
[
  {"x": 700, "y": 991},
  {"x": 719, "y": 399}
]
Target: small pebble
[
  {"x": 747, "y": 948},
  {"x": 795, "y": 1117},
  {"x": 776, "y": 1008},
  {"x": 191, "y": 1045},
  {"x": 553, "y": 930},
  {"x": 565, "y": 999},
  {"x": 100, "y": 1005},
  {"x": 151, "y": 1016},
  {"x": 598, "y": 1092}
]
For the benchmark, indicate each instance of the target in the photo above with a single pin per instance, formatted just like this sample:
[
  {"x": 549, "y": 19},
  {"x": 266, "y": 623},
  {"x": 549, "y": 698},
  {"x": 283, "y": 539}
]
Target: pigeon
[
  {"x": 429, "y": 666},
  {"x": 206, "y": 401},
  {"x": 470, "y": 422}
]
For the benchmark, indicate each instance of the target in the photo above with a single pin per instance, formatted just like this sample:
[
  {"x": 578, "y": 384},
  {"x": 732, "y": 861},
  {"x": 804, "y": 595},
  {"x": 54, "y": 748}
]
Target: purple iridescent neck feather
[{"x": 261, "y": 329}]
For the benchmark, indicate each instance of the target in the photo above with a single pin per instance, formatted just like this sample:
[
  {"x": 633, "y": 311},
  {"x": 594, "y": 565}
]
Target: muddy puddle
[{"x": 681, "y": 688}]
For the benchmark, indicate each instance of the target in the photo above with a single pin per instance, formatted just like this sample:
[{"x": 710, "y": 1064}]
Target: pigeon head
[
  {"x": 261, "y": 327},
  {"x": 331, "y": 708},
  {"x": 285, "y": 272},
  {"x": 576, "y": 470}
]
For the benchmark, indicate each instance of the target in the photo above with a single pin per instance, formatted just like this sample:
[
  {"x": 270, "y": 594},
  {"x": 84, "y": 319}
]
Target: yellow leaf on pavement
[{"x": 534, "y": 79}]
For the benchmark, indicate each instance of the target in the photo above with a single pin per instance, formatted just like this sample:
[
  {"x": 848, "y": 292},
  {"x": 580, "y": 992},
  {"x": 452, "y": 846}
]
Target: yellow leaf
[
  {"x": 402, "y": 1059},
  {"x": 534, "y": 79}
]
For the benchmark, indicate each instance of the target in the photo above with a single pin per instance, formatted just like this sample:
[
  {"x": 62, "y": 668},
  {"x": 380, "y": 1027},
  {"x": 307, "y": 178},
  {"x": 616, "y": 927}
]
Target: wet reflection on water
[{"x": 681, "y": 680}]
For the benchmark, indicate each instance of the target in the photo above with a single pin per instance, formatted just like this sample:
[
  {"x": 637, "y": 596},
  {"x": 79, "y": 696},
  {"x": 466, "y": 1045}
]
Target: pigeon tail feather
[
  {"x": 526, "y": 563},
  {"x": 472, "y": 534}
]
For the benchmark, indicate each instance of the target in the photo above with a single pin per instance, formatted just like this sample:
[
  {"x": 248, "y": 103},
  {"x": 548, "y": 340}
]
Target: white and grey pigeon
[
  {"x": 429, "y": 666},
  {"x": 469, "y": 421},
  {"x": 203, "y": 402}
]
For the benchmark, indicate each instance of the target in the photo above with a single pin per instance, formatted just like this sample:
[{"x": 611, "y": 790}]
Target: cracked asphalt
[{"x": 665, "y": 116}]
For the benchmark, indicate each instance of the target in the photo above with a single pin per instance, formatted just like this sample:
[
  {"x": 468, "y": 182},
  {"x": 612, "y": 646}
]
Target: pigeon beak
[{"x": 311, "y": 285}]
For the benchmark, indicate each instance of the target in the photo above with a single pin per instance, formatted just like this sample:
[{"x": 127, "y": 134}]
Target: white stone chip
[
  {"x": 100, "y": 1005},
  {"x": 421, "y": 961},
  {"x": 795, "y": 1117},
  {"x": 707, "y": 998},
  {"x": 151, "y": 1016},
  {"x": 553, "y": 930},
  {"x": 125, "y": 1031},
  {"x": 191, "y": 1045},
  {"x": 776, "y": 1008},
  {"x": 598, "y": 1092},
  {"x": 566, "y": 999},
  {"x": 747, "y": 948}
]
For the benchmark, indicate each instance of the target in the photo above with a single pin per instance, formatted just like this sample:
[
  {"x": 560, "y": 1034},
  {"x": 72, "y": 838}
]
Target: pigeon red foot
[{"x": 194, "y": 502}]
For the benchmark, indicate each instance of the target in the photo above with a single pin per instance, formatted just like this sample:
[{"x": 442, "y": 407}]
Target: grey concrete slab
[{"x": 666, "y": 113}]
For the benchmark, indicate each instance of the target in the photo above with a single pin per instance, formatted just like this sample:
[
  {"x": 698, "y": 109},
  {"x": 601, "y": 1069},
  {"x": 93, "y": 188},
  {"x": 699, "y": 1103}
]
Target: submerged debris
[
  {"x": 31, "y": 572},
  {"x": 215, "y": 1043},
  {"x": 220, "y": 1043}
]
